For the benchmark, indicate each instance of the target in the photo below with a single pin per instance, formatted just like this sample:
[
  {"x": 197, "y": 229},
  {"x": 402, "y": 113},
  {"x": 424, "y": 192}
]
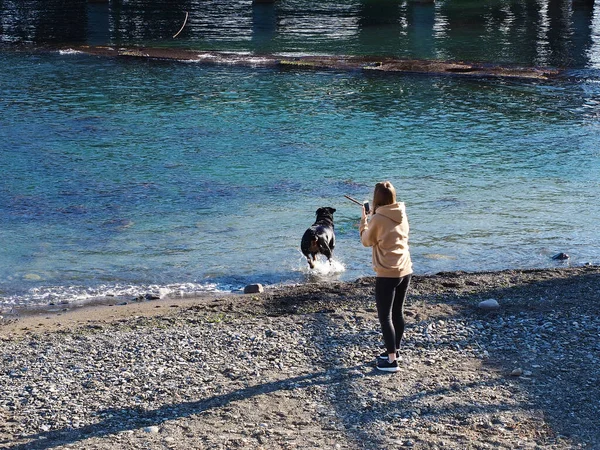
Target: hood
[{"x": 395, "y": 212}]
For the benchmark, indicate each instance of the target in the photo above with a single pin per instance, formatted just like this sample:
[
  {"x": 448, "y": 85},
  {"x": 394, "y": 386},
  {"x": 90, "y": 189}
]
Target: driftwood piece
[{"x": 343, "y": 63}]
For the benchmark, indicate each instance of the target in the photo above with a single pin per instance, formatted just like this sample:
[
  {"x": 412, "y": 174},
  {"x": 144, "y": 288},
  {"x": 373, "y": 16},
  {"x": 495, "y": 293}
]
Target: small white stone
[
  {"x": 489, "y": 304},
  {"x": 153, "y": 429}
]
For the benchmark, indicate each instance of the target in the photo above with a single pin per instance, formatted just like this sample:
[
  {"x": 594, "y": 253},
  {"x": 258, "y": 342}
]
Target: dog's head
[{"x": 325, "y": 213}]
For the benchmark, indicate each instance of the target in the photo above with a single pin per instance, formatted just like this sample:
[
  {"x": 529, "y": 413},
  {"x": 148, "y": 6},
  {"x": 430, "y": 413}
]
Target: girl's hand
[{"x": 364, "y": 214}]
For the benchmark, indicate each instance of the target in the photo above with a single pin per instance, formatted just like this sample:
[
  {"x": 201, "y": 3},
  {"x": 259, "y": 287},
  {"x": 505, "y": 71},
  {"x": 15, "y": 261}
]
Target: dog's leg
[
  {"x": 325, "y": 250},
  {"x": 331, "y": 247}
]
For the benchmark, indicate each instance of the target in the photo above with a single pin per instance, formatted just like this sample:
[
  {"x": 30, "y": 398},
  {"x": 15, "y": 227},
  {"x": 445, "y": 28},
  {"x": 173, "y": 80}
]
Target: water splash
[{"x": 326, "y": 269}]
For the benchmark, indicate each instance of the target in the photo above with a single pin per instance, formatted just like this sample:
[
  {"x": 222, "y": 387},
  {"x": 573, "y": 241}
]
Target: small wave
[
  {"x": 233, "y": 58},
  {"x": 69, "y": 51},
  {"x": 302, "y": 54},
  {"x": 438, "y": 256},
  {"x": 79, "y": 295}
]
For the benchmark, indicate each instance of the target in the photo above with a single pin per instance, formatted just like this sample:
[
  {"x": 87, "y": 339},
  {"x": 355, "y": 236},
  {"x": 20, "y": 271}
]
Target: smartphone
[{"x": 367, "y": 207}]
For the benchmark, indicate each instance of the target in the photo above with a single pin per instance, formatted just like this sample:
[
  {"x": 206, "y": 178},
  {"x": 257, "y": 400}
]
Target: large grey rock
[{"x": 254, "y": 289}]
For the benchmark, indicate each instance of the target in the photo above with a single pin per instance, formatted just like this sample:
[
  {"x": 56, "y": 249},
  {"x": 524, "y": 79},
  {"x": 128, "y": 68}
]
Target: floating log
[{"x": 345, "y": 63}]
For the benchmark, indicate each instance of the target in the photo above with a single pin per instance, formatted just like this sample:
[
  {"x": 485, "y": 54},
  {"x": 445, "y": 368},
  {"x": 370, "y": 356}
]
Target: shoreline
[
  {"x": 149, "y": 305},
  {"x": 293, "y": 368}
]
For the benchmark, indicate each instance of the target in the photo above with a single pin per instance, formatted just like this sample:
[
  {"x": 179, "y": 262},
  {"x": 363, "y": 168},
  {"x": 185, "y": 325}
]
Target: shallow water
[{"x": 122, "y": 177}]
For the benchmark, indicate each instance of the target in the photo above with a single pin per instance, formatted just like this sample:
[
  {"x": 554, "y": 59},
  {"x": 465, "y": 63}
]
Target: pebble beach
[{"x": 293, "y": 368}]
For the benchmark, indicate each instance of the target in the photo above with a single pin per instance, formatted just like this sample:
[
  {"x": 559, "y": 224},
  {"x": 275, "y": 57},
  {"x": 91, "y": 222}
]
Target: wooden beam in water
[{"x": 345, "y": 63}]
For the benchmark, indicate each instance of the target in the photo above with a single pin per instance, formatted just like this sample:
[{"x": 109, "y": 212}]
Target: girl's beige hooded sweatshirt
[{"x": 387, "y": 233}]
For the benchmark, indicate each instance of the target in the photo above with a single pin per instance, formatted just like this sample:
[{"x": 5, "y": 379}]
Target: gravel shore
[{"x": 293, "y": 368}]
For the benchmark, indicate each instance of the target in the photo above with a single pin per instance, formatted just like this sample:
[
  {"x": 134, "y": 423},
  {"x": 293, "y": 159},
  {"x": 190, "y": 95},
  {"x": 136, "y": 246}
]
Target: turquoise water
[{"x": 124, "y": 177}]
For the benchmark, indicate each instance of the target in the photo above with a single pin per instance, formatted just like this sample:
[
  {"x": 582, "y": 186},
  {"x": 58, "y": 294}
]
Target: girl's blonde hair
[{"x": 384, "y": 194}]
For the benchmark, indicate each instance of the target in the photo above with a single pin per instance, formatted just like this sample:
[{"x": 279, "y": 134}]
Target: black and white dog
[{"x": 320, "y": 237}]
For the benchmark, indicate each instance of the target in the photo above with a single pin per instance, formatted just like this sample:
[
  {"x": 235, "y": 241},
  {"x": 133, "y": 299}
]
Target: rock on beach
[
  {"x": 490, "y": 304},
  {"x": 254, "y": 289}
]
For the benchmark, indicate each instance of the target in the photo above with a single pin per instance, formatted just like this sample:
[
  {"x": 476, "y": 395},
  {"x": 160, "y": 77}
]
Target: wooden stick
[
  {"x": 182, "y": 26},
  {"x": 353, "y": 200}
]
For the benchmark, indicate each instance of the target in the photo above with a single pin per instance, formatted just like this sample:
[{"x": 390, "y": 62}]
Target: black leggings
[{"x": 390, "y": 294}]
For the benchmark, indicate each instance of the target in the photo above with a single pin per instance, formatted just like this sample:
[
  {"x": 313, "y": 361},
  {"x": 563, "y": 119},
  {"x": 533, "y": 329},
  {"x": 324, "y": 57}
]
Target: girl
[{"x": 387, "y": 233}]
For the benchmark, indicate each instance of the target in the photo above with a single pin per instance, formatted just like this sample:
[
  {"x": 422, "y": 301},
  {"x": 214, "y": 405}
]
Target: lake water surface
[{"x": 125, "y": 176}]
